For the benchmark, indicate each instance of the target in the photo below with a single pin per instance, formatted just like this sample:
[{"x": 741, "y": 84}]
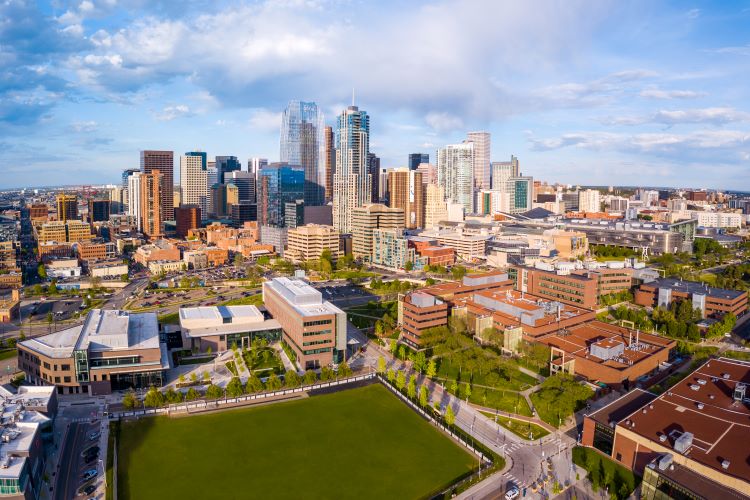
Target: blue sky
[{"x": 600, "y": 92}]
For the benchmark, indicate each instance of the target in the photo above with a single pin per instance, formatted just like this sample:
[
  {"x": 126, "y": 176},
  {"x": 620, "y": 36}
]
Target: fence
[{"x": 203, "y": 405}]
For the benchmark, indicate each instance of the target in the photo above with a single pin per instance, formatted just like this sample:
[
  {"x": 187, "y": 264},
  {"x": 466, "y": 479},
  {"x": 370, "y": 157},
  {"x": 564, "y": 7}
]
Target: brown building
[
  {"x": 407, "y": 192},
  {"x": 156, "y": 251},
  {"x": 438, "y": 256},
  {"x": 314, "y": 328},
  {"x": 309, "y": 241},
  {"x": 98, "y": 210},
  {"x": 67, "y": 207},
  {"x": 455, "y": 290},
  {"x": 111, "y": 350},
  {"x": 38, "y": 212},
  {"x": 188, "y": 217},
  {"x": 10, "y": 306},
  {"x": 91, "y": 251},
  {"x": 330, "y": 160},
  {"x": 12, "y": 279},
  {"x": 713, "y": 302},
  {"x": 419, "y": 311},
  {"x": 217, "y": 256},
  {"x": 163, "y": 162},
  {"x": 152, "y": 222},
  {"x": 8, "y": 256},
  {"x": 365, "y": 220},
  {"x": 691, "y": 440},
  {"x": 696, "y": 196}
]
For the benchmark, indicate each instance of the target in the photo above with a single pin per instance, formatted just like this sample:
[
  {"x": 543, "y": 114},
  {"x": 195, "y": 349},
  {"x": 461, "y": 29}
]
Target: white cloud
[
  {"x": 655, "y": 93},
  {"x": 169, "y": 113},
  {"x": 442, "y": 122},
  {"x": 85, "y": 126},
  {"x": 693, "y": 13},
  {"x": 713, "y": 116},
  {"x": 743, "y": 50},
  {"x": 264, "y": 120}
]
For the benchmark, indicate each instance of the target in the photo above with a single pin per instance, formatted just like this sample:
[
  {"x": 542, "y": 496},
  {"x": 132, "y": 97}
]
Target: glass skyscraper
[
  {"x": 351, "y": 181},
  {"x": 278, "y": 184},
  {"x": 302, "y": 144},
  {"x": 226, "y": 164},
  {"x": 416, "y": 158}
]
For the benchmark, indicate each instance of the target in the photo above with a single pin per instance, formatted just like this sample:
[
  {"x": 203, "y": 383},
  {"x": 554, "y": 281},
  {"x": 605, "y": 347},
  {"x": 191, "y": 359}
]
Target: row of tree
[{"x": 398, "y": 378}]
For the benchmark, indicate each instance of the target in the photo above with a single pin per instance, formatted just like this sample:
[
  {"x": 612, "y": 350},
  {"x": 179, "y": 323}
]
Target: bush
[
  {"x": 214, "y": 392},
  {"x": 603, "y": 472}
]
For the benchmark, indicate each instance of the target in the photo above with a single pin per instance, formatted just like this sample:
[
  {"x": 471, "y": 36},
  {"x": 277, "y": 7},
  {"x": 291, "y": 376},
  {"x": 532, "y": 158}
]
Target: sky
[{"x": 583, "y": 92}]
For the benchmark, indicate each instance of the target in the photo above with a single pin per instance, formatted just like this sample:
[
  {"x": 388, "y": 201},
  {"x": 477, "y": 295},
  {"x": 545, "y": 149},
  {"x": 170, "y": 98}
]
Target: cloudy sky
[{"x": 599, "y": 92}]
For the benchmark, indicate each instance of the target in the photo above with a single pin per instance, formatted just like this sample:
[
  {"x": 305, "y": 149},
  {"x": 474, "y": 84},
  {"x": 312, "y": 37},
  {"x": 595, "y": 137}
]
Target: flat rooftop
[
  {"x": 519, "y": 308},
  {"x": 111, "y": 330},
  {"x": 305, "y": 299},
  {"x": 696, "y": 287},
  {"x": 621, "y": 407},
  {"x": 55, "y": 345},
  {"x": 703, "y": 405}
]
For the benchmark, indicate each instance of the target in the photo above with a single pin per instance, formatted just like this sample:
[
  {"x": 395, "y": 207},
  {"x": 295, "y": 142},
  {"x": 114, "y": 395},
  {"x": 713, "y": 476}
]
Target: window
[
  {"x": 46, "y": 365},
  {"x": 66, "y": 380},
  {"x": 65, "y": 367},
  {"x": 319, "y": 322},
  {"x": 619, "y": 457},
  {"x": 57, "y": 380}
]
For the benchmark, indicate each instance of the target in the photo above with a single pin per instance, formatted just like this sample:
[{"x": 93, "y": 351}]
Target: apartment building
[
  {"x": 160, "y": 250},
  {"x": 367, "y": 218},
  {"x": 391, "y": 249},
  {"x": 315, "y": 329}
]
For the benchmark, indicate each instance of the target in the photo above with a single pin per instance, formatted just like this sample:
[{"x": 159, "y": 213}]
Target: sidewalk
[{"x": 288, "y": 365}]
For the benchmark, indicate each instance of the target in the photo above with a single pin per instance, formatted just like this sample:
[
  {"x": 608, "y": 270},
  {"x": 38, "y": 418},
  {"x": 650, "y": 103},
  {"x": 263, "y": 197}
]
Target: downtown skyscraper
[
  {"x": 302, "y": 144},
  {"x": 455, "y": 173},
  {"x": 351, "y": 181},
  {"x": 481, "y": 167},
  {"x": 162, "y": 162},
  {"x": 194, "y": 181}
]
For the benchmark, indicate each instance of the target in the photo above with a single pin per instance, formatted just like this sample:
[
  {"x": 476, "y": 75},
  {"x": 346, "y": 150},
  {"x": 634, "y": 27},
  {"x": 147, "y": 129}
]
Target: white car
[{"x": 512, "y": 493}]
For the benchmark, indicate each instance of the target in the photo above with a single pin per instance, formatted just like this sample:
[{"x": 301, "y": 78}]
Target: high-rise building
[
  {"x": 407, "y": 192},
  {"x": 194, "y": 180},
  {"x": 294, "y": 213},
  {"x": 224, "y": 165},
  {"x": 245, "y": 182},
  {"x": 367, "y": 218},
  {"x": 151, "y": 204},
  {"x": 502, "y": 171},
  {"x": 242, "y": 212},
  {"x": 163, "y": 161},
  {"x": 436, "y": 209},
  {"x": 589, "y": 200},
  {"x": 329, "y": 158},
  {"x": 429, "y": 173},
  {"x": 302, "y": 144},
  {"x": 187, "y": 217},
  {"x": 255, "y": 164},
  {"x": 67, "y": 207},
  {"x": 521, "y": 195},
  {"x": 99, "y": 210},
  {"x": 351, "y": 181},
  {"x": 383, "y": 185},
  {"x": 134, "y": 197},
  {"x": 373, "y": 170},
  {"x": 416, "y": 159},
  {"x": 455, "y": 173},
  {"x": 278, "y": 183},
  {"x": 481, "y": 141}
]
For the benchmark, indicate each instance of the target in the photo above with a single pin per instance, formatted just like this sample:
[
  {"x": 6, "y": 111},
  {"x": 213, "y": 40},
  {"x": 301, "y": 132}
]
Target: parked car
[
  {"x": 89, "y": 474},
  {"x": 88, "y": 451},
  {"x": 512, "y": 493},
  {"x": 94, "y": 435},
  {"x": 88, "y": 490}
]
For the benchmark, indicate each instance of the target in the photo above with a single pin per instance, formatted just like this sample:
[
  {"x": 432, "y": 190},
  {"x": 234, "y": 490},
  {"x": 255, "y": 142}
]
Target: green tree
[
  {"x": 400, "y": 380},
  {"x": 253, "y": 384},
  {"x": 409, "y": 266},
  {"x": 466, "y": 391},
  {"x": 344, "y": 370},
  {"x": 310, "y": 377},
  {"x": 273, "y": 383},
  {"x": 124, "y": 278},
  {"x": 411, "y": 389},
  {"x": 234, "y": 388},
  {"x": 192, "y": 394},
  {"x": 41, "y": 271},
  {"x": 193, "y": 377},
  {"x": 326, "y": 373},
  {"x": 381, "y": 365},
  {"x": 291, "y": 378},
  {"x": 214, "y": 392},
  {"x": 154, "y": 398},
  {"x": 424, "y": 396},
  {"x": 450, "y": 417},
  {"x": 129, "y": 400},
  {"x": 420, "y": 362},
  {"x": 431, "y": 369},
  {"x": 206, "y": 376},
  {"x": 390, "y": 375},
  {"x": 454, "y": 387},
  {"x": 172, "y": 396},
  {"x": 401, "y": 352}
]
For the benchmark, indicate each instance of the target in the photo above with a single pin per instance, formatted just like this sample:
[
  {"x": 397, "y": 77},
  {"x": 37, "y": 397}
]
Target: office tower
[
  {"x": 589, "y": 200},
  {"x": 502, "y": 171},
  {"x": 224, "y": 165},
  {"x": 329, "y": 158},
  {"x": 407, "y": 192},
  {"x": 67, "y": 207},
  {"x": 367, "y": 218},
  {"x": 242, "y": 212},
  {"x": 455, "y": 173},
  {"x": 309, "y": 241},
  {"x": 194, "y": 180},
  {"x": 255, "y": 164},
  {"x": 351, "y": 181},
  {"x": 373, "y": 169},
  {"x": 429, "y": 173},
  {"x": 163, "y": 161},
  {"x": 415, "y": 159},
  {"x": 99, "y": 210},
  {"x": 302, "y": 144},
  {"x": 278, "y": 183},
  {"x": 294, "y": 213},
  {"x": 134, "y": 197},
  {"x": 383, "y": 185},
  {"x": 521, "y": 194},
  {"x": 127, "y": 173},
  {"x": 151, "y": 204},
  {"x": 435, "y": 209},
  {"x": 245, "y": 183},
  {"x": 481, "y": 141},
  {"x": 187, "y": 217},
  {"x": 570, "y": 201}
]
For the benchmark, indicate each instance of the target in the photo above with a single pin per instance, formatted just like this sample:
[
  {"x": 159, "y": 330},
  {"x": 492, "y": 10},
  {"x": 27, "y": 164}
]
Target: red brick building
[
  {"x": 713, "y": 302},
  {"x": 420, "y": 311}
]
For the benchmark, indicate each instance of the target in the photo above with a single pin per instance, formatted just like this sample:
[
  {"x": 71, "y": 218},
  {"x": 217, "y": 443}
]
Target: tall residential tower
[{"x": 351, "y": 182}]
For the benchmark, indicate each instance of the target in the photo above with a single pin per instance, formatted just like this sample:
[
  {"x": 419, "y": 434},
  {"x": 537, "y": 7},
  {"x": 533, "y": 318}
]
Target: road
[{"x": 68, "y": 477}]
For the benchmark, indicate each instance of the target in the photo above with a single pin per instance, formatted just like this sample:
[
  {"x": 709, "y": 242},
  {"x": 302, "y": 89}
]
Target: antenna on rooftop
[{"x": 352, "y": 96}]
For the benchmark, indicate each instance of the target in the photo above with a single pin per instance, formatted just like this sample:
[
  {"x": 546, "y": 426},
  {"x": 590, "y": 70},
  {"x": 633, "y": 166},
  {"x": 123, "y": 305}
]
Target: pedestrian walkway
[{"x": 288, "y": 365}]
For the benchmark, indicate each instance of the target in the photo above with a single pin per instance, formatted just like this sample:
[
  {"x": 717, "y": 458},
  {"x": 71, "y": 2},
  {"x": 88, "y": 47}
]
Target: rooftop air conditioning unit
[{"x": 684, "y": 442}]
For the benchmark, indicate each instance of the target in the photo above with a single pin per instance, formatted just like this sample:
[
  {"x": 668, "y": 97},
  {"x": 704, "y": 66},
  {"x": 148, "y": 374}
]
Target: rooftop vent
[
  {"x": 739, "y": 391},
  {"x": 695, "y": 387},
  {"x": 684, "y": 442},
  {"x": 725, "y": 376},
  {"x": 701, "y": 381},
  {"x": 665, "y": 461},
  {"x": 725, "y": 464},
  {"x": 662, "y": 438},
  {"x": 700, "y": 406}
]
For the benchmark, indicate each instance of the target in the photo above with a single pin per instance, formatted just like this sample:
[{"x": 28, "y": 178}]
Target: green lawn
[
  {"x": 508, "y": 376},
  {"x": 520, "y": 428},
  {"x": 741, "y": 355},
  {"x": 8, "y": 354},
  {"x": 252, "y": 300},
  {"x": 359, "y": 443},
  {"x": 259, "y": 363}
]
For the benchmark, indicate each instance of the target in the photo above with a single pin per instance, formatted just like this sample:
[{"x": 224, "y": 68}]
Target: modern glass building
[
  {"x": 302, "y": 144},
  {"x": 226, "y": 164},
  {"x": 278, "y": 184},
  {"x": 455, "y": 173},
  {"x": 351, "y": 181},
  {"x": 415, "y": 159}
]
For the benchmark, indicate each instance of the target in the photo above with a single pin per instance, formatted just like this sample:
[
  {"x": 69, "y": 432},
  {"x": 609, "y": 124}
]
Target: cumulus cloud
[
  {"x": 264, "y": 120},
  {"x": 169, "y": 113},
  {"x": 443, "y": 122}
]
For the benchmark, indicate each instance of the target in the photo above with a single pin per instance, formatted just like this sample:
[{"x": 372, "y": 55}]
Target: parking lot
[
  {"x": 61, "y": 309},
  {"x": 80, "y": 463}
]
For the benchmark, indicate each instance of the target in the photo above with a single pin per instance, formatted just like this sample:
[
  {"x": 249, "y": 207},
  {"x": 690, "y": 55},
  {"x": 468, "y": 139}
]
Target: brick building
[
  {"x": 713, "y": 302},
  {"x": 419, "y": 311}
]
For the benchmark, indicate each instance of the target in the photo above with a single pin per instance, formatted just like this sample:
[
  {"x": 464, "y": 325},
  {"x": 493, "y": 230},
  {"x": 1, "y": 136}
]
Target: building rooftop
[
  {"x": 55, "y": 345},
  {"x": 695, "y": 287},
  {"x": 695, "y": 482},
  {"x": 704, "y": 405},
  {"x": 18, "y": 427},
  {"x": 620, "y": 408},
  {"x": 305, "y": 299},
  {"x": 111, "y": 330}
]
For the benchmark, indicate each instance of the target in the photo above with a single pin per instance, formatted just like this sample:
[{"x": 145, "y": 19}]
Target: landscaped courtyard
[{"x": 358, "y": 443}]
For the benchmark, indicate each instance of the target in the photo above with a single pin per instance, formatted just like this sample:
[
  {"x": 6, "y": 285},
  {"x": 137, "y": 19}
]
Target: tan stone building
[
  {"x": 308, "y": 242},
  {"x": 367, "y": 218},
  {"x": 407, "y": 192}
]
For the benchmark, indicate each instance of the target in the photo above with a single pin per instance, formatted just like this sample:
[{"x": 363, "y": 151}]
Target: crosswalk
[{"x": 507, "y": 475}]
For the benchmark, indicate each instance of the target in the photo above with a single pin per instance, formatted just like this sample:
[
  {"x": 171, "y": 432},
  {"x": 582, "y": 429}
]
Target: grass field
[
  {"x": 360, "y": 443},
  {"x": 520, "y": 428}
]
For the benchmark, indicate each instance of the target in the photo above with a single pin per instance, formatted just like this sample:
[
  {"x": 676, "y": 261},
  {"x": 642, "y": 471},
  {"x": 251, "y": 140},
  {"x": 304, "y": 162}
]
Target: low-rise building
[
  {"x": 390, "y": 249},
  {"x": 63, "y": 268},
  {"x": 11, "y": 279},
  {"x": 315, "y": 329},
  {"x": 166, "y": 266},
  {"x": 222, "y": 327},
  {"x": 718, "y": 219},
  {"x": 113, "y": 268},
  {"x": 160, "y": 250},
  {"x": 309, "y": 241},
  {"x": 111, "y": 350},
  {"x": 417, "y": 312},
  {"x": 468, "y": 246},
  {"x": 10, "y": 306},
  {"x": 712, "y": 302}
]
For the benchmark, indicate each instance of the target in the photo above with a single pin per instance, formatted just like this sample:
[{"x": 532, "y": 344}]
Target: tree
[
  {"x": 172, "y": 396},
  {"x": 129, "y": 400},
  {"x": 310, "y": 377},
  {"x": 379, "y": 328},
  {"x": 239, "y": 259},
  {"x": 192, "y": 394},
  {"x": 234, "y": 388},
  {"x": 450, "y": 417},
  {"x": 420, "y": 362},
  {"x": 41, "y": 271},
  {"x": 254, "y": 384},
  {"x": 409, "y": 266},
  {"x": 124, "y": 278},
  {"x": 411, "y": 389},
  {"x": 326, "y": 373},
  {"x": 344, "y": 370},
  {"x": 393, "y": 346},
  {"x": 431, "y": 369},
  {"x": 424, "y": 397},
  {"x": 206, "y": 376},
  {"x": 154, "y": 398},
  {"x": 401, "y": 352},
  {"x": 400, "y": 380},
  {"x": 273, "y": 383},
  {"x": 214, "y": 392},
  {"x": 693, "y": 333},
  {"x": 193, "y": 377},
  {"x": 390, "y": 375},
  {"x": 454, "y": 387},
  {"x": 291, "y": 378},
  {"x": 467, "y": 391},
  {"x": 381, "y": 365}
]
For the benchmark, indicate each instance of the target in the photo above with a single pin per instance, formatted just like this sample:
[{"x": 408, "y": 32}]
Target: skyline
[{"x": 585, "y": 93}]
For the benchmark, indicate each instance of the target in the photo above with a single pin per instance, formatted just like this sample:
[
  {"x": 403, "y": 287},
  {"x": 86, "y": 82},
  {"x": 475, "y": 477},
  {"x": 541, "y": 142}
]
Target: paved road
[{"x": 67, "y": 480}]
